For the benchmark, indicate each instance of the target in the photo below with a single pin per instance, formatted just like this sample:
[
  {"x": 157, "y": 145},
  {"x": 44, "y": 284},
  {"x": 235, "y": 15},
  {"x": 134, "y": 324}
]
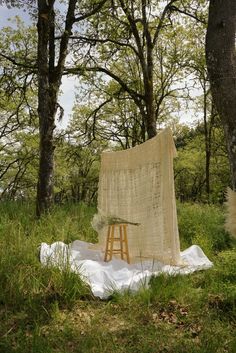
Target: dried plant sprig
[{"x": 100, "y": 221}]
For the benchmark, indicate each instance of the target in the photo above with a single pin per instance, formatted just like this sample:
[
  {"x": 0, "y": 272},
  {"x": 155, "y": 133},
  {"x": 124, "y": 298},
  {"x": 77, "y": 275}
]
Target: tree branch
[
  {"x": 135, "y": 32},
  {"x": 90, "y": 13},
  {"x": 65, "y": 39},
  {"x": 176, "y": 9},
  {"x": 136, "y": 96},
  {"x": 160, "y": 24},
  {"x": 106, "y": 40},
  {"x": 13, "y": 61}
]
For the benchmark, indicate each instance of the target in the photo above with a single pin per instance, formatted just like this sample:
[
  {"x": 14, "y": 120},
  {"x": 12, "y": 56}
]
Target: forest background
[{"x": 111, "y": 98}]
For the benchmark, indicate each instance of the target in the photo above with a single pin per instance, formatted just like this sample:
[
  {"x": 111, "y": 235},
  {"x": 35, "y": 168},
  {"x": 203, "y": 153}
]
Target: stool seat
[{"x": 117, "y": 233}]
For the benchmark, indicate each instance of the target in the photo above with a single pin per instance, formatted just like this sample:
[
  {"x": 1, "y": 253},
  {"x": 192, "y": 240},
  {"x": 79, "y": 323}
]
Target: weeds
[
  {"x": 44, "y": 310},
  {"x": 203, "y": 225}
]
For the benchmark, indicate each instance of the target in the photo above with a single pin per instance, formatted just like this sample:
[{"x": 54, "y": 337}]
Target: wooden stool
[{"x": 117, "y": 233}]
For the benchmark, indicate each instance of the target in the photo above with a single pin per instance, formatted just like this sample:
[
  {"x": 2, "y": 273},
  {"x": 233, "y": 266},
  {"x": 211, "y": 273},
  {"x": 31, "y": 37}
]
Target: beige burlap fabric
[
  {"x": 138, "y": 185},
  {"x": 230, "y": 221}
]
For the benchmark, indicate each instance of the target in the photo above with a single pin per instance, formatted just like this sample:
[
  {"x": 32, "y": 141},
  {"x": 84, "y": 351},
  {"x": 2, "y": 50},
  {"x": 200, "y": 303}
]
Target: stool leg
[
  {"x": 126, "y": 243},
  {"x": 107, "y": 243},
  {"x": 111, "y": 241}
]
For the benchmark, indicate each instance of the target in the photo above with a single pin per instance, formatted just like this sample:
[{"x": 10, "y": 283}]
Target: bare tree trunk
[
  {"x": 49, "y": 81},
  {"x": 147, "y": 66},
  {"x": 149, "y": 94},
  {"x": 46, "y": 110},
  {"x": 221, "y": 64},
  {"x": 208, "y": 124},
  {"x": 207, "y": 143}
]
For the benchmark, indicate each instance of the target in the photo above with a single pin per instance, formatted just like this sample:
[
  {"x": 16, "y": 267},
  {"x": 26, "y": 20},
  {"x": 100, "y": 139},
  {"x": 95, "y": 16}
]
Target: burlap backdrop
[{"x": 138, "y": 185}]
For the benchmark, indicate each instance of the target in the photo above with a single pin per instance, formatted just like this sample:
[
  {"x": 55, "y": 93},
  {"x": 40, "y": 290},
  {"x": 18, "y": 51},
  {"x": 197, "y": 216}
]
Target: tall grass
[
  {"x": 44, "y": 310},
  {"x": 203, "y": 225},
  {"x": 28, "y": 290}
]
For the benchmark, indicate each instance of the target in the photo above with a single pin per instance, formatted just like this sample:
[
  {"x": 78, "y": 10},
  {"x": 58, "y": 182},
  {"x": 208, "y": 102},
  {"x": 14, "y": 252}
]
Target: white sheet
[{"x": 105, "y": 277}]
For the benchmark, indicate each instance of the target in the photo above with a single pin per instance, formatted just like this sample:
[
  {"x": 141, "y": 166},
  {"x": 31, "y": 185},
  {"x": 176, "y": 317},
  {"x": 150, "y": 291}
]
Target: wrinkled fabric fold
[{"x": 106, "y": 277}]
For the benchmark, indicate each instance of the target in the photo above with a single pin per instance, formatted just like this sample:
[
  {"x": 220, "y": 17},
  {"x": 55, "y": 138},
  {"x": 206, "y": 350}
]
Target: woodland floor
[{"x": 43, "y": 310}]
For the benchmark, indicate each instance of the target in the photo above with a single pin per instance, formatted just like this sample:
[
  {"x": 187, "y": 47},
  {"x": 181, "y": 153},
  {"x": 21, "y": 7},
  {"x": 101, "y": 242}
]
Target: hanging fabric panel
[{"x": 137, "y": 185}]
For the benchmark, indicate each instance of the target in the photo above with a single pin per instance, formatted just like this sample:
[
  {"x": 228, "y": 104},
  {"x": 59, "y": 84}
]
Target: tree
[
  {"x": 190, "y": 174},
  {"x": 51, "y": 64},
  {"x": 139, "y": 48},
  {"x": 18, "y": 113},
  {"x": 221, "y": 64},
  {"x": 52, "y": 50},
  {"x": 77, "y": 169},
  {"x": 124, "y": 42},
  {"x": 49, "y": 81},
  {"x": 203, "y": 104}
]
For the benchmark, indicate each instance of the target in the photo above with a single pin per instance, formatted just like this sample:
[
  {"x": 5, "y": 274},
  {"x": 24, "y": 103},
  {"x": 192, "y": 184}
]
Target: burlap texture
[
  {"x": 230, "y": 221},
  {"x": 138, "y": 185}
]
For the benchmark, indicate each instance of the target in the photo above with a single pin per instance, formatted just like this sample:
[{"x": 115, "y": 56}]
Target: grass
[
  {"x": 203, "y": 225},
  {"x": 44, "y": 310}
]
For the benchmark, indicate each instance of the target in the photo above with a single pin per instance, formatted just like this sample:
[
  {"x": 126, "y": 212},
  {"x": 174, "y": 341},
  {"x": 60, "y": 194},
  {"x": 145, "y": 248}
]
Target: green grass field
[{"x": 43, "y": 310}]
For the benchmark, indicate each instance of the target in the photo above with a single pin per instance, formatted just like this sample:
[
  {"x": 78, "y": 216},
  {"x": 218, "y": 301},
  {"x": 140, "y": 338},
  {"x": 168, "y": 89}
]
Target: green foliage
[
  {"x": 24, "y": 282},
  {"x": 203, "y": 225},
  {"x": 107, "y": 114},
  {"x": 190, "y": 164},
  {"x": 19, "y": 141},
  {"x": 77, "y": 171},
  {"x": 45, "y": 310}
]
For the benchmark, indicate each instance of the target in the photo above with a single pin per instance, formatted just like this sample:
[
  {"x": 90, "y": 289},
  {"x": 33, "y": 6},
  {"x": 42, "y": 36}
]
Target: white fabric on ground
[{"x": 105, "y": 277}]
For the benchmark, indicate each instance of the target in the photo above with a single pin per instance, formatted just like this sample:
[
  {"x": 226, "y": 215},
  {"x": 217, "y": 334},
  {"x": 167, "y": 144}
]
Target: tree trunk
[
  {"x": 221, "y": 64},
  {"x": 147, "y": 67},
  {"x": 46, "y": 110},
  {"x": 207, "y": 138},
  {"x": 49, "y": 81},
  {"x": 149, "y": 95}
]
